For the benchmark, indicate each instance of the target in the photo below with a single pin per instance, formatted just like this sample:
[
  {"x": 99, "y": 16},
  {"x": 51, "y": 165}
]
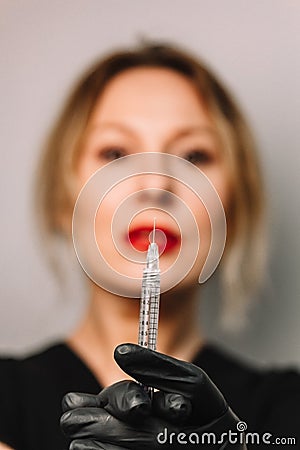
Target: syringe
[{"x": 149, "y": 305}]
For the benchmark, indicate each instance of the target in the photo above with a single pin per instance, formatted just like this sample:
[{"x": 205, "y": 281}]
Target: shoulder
[
  {"x": 265, "y": 397},
  {"x": 10, "y": 367},
  {"x": 17, "y": 374},
  {"x": 55, "y": 368},
  {"x": 220, "y": 362}
]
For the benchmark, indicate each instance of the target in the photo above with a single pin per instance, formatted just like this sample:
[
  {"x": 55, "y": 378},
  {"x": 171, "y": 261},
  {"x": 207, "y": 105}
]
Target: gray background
[{"x": 44, "y": 45}]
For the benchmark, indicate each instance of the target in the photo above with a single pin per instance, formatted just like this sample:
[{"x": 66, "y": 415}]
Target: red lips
[{"x": 139, "y": 238}]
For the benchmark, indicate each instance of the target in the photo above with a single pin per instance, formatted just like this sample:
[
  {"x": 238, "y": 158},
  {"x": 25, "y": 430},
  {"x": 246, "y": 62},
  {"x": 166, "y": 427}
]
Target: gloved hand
[{"x": 187, "y": 410}]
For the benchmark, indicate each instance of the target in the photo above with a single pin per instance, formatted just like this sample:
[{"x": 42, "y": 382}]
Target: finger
[
  {"x": 169, "y": 374},
  {"x": 74, "y": 400},
  {"x": 160, "y": 371},
  {"x": 97, "y": 424},
  {"x": 125, "y": 400},
  {"x": 87, "y": 444},
  {"x": 172, "y": 407}
]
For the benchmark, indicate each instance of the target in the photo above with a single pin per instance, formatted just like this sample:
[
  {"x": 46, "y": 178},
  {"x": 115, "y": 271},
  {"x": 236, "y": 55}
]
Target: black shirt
[{"x": 31, "y": 391}]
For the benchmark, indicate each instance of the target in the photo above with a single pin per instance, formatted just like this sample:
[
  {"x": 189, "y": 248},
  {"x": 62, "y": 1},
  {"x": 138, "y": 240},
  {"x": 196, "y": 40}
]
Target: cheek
[
  {"x": 84, "y": 169},
  {"x": 206, "y": 209},
  {"x": 114, "y": 212},
  {"x": 87, "y": 164},
  {"x": 220, "y": 180},
  {"x": 197, "y": 208}
]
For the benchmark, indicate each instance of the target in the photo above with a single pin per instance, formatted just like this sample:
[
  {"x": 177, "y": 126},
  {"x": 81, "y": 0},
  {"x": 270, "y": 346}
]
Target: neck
[{"x": 112, "y": 320}]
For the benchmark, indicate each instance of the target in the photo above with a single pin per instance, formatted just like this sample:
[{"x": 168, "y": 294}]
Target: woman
[{"x": 160, "y": 100}]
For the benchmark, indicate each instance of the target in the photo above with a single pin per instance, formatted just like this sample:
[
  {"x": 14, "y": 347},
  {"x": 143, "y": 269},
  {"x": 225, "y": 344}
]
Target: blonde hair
[{"x": 244, "y": 257}]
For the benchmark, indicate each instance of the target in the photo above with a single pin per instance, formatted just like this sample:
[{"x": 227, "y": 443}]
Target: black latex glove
[{"x": 123, "y": 417}]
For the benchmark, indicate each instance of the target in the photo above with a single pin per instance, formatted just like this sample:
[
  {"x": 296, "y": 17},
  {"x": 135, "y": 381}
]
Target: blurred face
[{"x": 156, "y": 110}]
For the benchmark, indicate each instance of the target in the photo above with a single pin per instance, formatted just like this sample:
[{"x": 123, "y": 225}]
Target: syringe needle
[{"x": 153, "y": 232}]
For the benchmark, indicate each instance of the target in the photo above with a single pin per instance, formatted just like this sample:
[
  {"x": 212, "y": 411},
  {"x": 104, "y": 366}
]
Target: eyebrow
[
  {"x": 180, "y": 133},
  {"x": 186, "y": 131},
  {"x": 111, "y": 125}
]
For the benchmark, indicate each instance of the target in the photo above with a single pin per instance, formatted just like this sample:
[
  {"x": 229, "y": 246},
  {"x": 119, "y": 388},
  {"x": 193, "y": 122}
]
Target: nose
[
  {"x": 156, "y": 188},
  {"x": 155, "y": 183}
]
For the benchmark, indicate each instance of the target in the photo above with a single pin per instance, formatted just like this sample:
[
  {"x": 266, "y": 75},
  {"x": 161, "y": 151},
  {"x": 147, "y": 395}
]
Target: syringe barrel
[{"x": 149, "y": 309}]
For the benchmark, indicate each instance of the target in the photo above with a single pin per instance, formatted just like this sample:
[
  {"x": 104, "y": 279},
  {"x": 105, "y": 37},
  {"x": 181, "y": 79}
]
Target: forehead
[{"x": 146, "y": 92}]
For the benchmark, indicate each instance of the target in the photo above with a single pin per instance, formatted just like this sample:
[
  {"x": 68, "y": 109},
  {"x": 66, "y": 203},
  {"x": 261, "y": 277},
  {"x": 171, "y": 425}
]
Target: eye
[
  {"x": 198, "y": 157},
  {"x": 112, "y": 153}
]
